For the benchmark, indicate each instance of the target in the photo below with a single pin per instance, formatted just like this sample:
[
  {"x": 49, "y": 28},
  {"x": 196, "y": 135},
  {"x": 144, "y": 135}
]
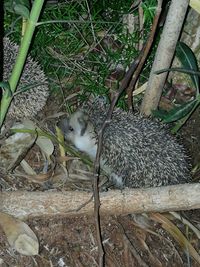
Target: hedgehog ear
[
  {"x": 83, "y": 121},
  {"x": 63, "y": 124}
]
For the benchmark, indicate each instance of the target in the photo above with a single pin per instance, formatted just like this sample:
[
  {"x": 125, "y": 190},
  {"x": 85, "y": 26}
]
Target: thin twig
[
  {"x": 136, "y": 65},
  {"x": 116, "y": 96},
  {"x": 90, "y": 18}
]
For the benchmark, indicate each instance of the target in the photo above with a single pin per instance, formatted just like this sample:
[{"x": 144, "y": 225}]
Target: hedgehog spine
[{"x": 136, "y": 151}]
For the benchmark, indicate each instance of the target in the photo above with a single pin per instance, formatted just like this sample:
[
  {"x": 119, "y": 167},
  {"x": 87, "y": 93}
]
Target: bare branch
[
  {"x": 24, "y": 204},
  {"x": 164, "y": 54},
  {"x": 145, "y": 53}
]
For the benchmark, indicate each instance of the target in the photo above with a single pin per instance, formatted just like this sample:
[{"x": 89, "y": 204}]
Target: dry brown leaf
[
  {"x": 41, "y": 177},
  {"x": 14, "y": 149},
  {"x": 19, "y": 235}
]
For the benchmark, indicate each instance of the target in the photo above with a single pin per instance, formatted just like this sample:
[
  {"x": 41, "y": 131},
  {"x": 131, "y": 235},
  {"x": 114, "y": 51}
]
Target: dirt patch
[{"x": 72, "y": 242}]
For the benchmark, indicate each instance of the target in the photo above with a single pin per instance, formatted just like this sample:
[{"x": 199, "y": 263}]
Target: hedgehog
[
  {"x": 32, "y": 90},
  {"x": 136, "y": 151}
]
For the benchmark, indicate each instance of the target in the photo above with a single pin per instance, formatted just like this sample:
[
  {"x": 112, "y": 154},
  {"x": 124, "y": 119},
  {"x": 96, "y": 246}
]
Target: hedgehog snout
[{"x": 79, "y": 131}]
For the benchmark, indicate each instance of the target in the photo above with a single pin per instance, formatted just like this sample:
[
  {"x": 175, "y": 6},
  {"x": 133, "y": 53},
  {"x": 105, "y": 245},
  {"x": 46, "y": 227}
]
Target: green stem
[
  {"x": 21, "y": 57},
  {"x": 73, "y": 21}
]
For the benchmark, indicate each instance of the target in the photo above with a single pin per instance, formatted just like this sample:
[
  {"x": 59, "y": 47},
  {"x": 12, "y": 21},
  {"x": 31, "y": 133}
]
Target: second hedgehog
[
  {"x": 136, "y": 152},
  {"x": 32, "y": 90}
]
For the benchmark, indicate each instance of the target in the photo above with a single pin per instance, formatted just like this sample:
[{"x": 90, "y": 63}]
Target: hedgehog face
[{"x": 79, "y": 131}]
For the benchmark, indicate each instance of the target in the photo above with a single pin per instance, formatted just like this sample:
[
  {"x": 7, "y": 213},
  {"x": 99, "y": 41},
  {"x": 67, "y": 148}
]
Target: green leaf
[
  {"x": 6, "y": 88},
  {"x": 190, "y": 72},
  {"x": 160, "y": 113},
  {"x": 22, "y": 10},
  {"x": 188, "y": 60},
  {"x": 25, "y": 3},
  {"x": 8, "y": 6},
  {"x": 176, "y": 113},
  {"x": 182, "y": 121},
  {"x": 180, "y": 112},
  {"x": 20, "y": 7}
]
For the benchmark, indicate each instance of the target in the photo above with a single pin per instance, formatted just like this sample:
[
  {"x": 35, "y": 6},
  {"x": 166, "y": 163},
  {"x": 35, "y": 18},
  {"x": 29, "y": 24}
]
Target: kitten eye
[{"x": 71, "y": 129}]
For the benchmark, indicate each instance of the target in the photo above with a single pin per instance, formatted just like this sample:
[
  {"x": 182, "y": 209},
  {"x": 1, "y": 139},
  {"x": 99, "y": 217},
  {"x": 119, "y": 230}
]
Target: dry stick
[
  {"x": 164, "y": 55},
  {"x": 96, "y": 211},
  {"x": 48, "y": 204},
  {"x": 144, "y": 57},
  {"x": 141, "y": 25},
  {"x": 124, "y": 85},
  {"x": 135, "y": 66}
]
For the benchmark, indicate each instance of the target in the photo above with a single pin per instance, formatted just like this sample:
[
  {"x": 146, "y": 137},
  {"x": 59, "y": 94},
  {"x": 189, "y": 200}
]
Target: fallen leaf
[{"x": 19, "y": 235}]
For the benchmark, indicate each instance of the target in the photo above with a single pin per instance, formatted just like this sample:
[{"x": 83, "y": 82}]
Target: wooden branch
[
  {"x": 164, "y": 54},
  {"x": 24, "y": 204},
  {"x": 146, "y": 50}
]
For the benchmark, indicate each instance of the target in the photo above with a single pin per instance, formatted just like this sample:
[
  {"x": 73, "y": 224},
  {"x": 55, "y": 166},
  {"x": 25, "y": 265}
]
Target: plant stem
[{"x": 21, "y": 58}]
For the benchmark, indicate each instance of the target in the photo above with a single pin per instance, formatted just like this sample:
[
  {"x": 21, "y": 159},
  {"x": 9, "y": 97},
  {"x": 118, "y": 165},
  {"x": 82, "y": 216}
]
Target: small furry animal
[
  {"x": 33, "y": 84},
  {"x": 136, "y": 151}
]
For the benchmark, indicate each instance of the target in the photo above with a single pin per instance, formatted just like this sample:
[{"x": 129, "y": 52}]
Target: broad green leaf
[
  {"x": 182, "y": 121},
  {"x": 160, "y": 113},
  {"x": 22, "y": 10},
  {"x": 25, "y": 3},
  {"x": 188, "y": 60},
  {"x": 176, "y": 113},
  {"x": 20, "y": 7},
  {"x": 180, "y": 112}
]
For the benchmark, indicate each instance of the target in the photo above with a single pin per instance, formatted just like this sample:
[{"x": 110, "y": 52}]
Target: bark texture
[
  {"x": 24, "y": 204},
  {"x": 164, "y": 54}
]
